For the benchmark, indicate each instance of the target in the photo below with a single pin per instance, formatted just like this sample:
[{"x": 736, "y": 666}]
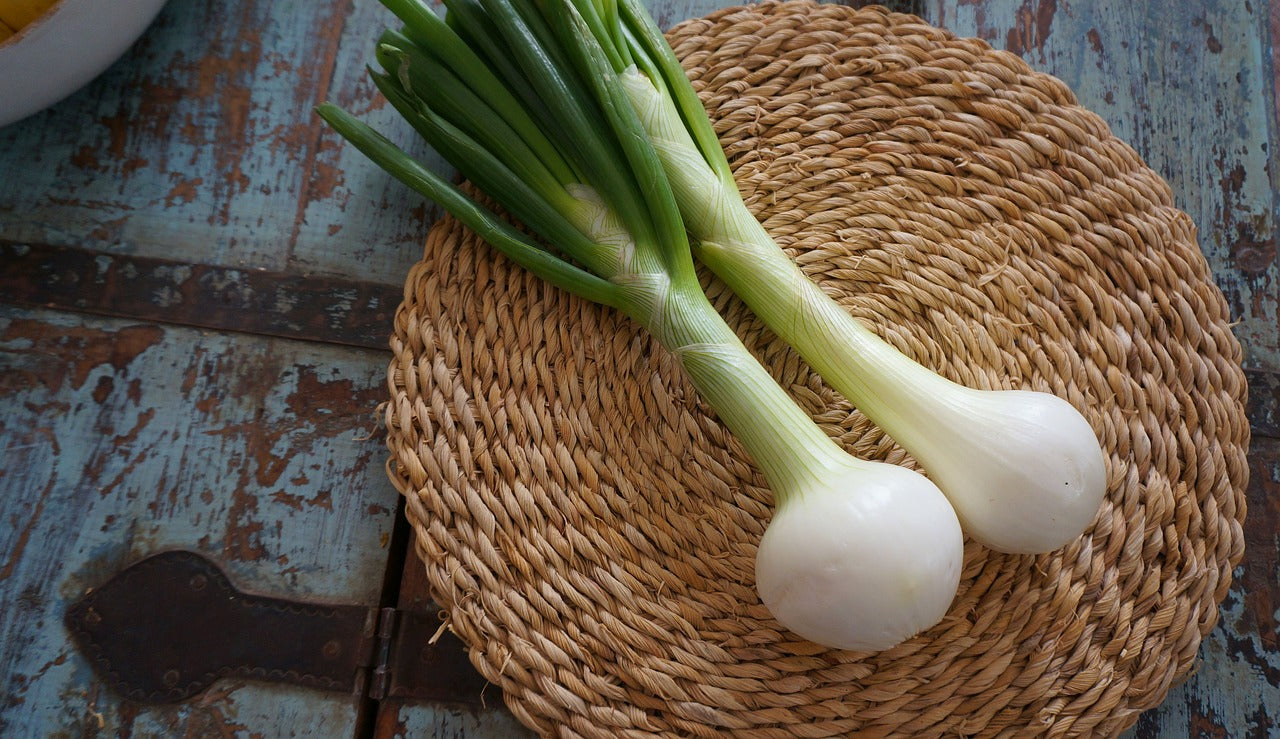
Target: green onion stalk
[
  {"x": 1024, "y": 469},
  {"x": 859, "y": 555}
]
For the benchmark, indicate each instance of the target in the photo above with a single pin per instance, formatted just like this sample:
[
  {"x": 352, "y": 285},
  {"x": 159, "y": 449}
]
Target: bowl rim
[{"x": 20, "y": 33}]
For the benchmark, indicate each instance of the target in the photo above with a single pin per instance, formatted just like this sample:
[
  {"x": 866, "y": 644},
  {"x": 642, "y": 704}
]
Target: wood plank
[
  {"x": 120, "y": 439},
  {"x": 200, "y": 145},
  {"x": 1188, "y": 86}
]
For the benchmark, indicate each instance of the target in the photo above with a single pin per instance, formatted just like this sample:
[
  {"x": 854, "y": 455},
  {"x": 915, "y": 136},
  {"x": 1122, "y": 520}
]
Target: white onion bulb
[{"x": 865, "y": 561}]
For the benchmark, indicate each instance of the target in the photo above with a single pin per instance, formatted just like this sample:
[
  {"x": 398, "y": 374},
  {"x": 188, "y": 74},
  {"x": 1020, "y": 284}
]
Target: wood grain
[
  {"x": 122, "y": 435},
  {"x": 121, "y": 439},
  {"x": 201, "y": 145}
]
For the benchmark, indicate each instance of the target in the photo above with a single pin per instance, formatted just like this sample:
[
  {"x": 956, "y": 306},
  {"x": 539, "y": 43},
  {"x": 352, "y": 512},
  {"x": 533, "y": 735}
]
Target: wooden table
[{"x": 196, "y": 283}]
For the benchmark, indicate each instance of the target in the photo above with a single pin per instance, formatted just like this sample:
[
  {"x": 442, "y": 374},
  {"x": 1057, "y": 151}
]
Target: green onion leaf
[
  {"x": 489, "y": 174},
  {"x": 433, "y": 82},
  {"x": 435, "y": 38},
  {"x": 576, "y": 117},
  {"x": 654, "y": 46},
  {"x": 518, "y": 247},
  {"x": 641, "y": 157}
]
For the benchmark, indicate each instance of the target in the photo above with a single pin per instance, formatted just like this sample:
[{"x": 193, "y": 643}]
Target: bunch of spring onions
[
  {"x": 575, "y": 116},
  {"x": 1023, "y": 469}
]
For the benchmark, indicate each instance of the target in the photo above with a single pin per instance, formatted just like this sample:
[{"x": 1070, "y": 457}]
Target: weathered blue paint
[
  {"x": 123, "y": 439},
  {"x": 117, "y": 438},
  {"x": 201, "y": 144},
  {"x": 1189, "y": 86}
]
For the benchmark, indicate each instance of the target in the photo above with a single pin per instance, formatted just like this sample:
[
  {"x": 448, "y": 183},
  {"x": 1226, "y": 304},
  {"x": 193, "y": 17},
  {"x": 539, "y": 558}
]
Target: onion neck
[
  {"x": 791, "y": 450},
  {"x": 886, "y": 385},
  {"x": 729, "y": 240}
]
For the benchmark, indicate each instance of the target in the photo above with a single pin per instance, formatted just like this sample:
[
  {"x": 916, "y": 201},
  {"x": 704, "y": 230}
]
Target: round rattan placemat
[{"x": 590, "y": 529}]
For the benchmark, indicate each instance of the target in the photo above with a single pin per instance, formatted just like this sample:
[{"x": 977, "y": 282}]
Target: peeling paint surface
[
  {"x": 201, "y": 142},
  {"x": 120, "y": 440},
  {"x": 195, "y": 170},
  {"x": 1190, "y": 87}
]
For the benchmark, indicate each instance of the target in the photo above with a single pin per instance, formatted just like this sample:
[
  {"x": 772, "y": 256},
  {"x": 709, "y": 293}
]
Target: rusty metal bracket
[
  {"x": 331, "y": 310},
  {"x": 167, "y": 627}
]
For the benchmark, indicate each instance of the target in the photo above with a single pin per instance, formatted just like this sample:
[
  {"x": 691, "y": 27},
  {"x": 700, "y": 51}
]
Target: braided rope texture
[{"x": 590, "y": 529}]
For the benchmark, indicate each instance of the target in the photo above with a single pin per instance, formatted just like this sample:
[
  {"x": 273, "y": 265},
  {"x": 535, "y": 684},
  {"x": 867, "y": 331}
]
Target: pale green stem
[
  {"x": 733, "y": 244},
  {"x": 890, "y": 388},
  {"x": 793, "y": 453}
]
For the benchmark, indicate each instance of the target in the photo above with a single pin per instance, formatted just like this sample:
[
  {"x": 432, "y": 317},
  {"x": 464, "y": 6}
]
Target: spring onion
[
  {"x": 1023, "y": 469},
  {"x": 859, "y": 554}
]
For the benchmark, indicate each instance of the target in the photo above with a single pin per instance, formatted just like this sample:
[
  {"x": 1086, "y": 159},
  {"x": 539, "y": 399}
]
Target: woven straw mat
[{"x": 590, "y": 529}]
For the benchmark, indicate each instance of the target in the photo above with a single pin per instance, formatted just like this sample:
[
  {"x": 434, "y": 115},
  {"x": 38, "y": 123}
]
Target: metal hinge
[{"x": 166, "y": 628}]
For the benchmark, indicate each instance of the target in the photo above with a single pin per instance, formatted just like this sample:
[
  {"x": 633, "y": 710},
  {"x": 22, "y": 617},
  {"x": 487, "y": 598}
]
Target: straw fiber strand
[{"x": 590, "y": 528}]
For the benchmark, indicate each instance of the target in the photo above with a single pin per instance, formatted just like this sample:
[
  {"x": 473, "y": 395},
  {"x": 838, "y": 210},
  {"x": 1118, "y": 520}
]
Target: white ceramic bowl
[{"x": 59, "y": 52}]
